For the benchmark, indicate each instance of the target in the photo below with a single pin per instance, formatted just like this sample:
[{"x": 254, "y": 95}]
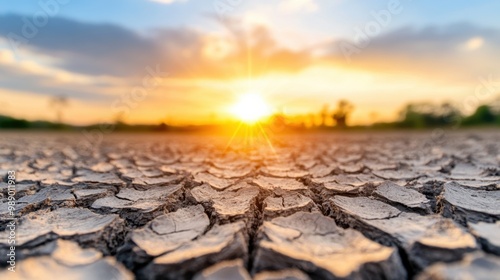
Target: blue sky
[
  {"x": 145, "y": 14},
  {"x": 93, "y": 51}
]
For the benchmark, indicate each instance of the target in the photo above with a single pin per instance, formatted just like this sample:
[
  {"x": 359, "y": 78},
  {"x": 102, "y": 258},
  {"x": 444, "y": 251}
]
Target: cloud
[
  {"x": 294, "y": 6},
  {"x": 20, "y": 80},
  {"x": 168, "y": 2},
  {"x": 96, "y": 49},
  {"x": 28, "y": 76},
  {"x": 107, "y": 49},
  {"x": 474, "y": 43},
  {"x": 459, "y": 51},
  {"x": 444, "y": 52}
]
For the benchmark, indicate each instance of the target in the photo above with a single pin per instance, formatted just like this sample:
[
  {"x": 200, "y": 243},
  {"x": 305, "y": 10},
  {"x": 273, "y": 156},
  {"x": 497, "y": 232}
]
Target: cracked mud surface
[{"x": 354, "y": 206}]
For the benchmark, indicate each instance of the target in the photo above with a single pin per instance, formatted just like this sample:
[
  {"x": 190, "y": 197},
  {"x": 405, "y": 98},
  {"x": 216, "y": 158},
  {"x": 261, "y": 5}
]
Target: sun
[{"x": 251, "y": 107}]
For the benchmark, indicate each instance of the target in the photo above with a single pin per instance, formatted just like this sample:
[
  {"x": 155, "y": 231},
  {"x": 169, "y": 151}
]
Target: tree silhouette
[
  {"x": 483, "y": 115},
  {"x": 421, "y": 115},
  {"x": 341, "y": 113},
  {"x": 59, "y": 103}
]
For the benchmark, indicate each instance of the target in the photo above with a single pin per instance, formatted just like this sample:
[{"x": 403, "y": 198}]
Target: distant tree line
[
  {"x": 425, "y": 115},
  {"x": 413, "y": 115}
]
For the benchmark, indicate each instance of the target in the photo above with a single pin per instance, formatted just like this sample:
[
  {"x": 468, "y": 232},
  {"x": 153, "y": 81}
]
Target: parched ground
[{"x": 325, "y": 206}]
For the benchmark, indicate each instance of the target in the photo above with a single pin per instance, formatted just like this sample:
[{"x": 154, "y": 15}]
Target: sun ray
[
  {"x": 233, "y": 136},
  {"x": 249, "y": 62},
  {"x": 267, "y": 138},
  {"x": 250, "y": 110}
]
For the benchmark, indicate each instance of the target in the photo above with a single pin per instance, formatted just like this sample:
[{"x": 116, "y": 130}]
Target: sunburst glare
[{"x": 251, "y": 108}]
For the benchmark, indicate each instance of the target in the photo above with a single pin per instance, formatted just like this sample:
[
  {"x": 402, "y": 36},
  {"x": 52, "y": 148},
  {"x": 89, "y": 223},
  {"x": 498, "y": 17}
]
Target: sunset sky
[{"x": 208, "y": 53}]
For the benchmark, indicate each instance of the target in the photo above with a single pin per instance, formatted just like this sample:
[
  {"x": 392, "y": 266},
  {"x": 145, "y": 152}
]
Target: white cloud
[
  {"x": 474, "y": 43},
  {"x": 167, "y": 1},
  {"x": 293, "y": 6}
]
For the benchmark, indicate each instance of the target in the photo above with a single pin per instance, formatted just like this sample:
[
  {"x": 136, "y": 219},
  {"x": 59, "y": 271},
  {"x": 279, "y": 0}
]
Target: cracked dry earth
[{"x": 353, "y": 206}]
